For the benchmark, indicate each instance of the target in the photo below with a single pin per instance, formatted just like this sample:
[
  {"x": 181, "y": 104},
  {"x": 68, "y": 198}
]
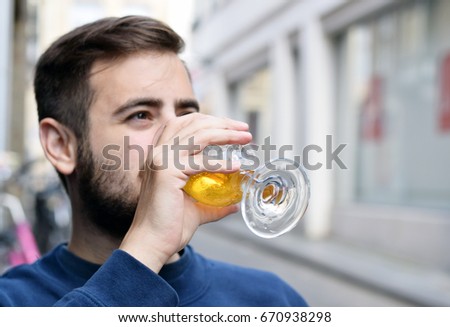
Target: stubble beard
[{"x": 108, "y": 198}]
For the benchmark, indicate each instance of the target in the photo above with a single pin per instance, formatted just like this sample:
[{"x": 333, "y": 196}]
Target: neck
[
  {"x": 92, "y": 244},
  {"x": 88, "y": 242}
]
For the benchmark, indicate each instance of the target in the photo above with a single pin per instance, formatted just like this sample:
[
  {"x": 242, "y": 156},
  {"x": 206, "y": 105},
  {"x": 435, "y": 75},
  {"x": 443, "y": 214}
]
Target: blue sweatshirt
[{"x": 62, "y": 279}]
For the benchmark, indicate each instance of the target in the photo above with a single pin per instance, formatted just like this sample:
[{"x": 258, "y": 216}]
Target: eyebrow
[
  {"x": 156, "y": 103},
  {"x": 187, "y": 103},
  {"x": 137, "y": 102}
]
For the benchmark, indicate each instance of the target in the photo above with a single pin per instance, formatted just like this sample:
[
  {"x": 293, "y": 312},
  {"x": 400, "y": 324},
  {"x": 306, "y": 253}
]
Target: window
[
  {"x": 252, "y": 101},
  {"x": 395, "y": 69}
]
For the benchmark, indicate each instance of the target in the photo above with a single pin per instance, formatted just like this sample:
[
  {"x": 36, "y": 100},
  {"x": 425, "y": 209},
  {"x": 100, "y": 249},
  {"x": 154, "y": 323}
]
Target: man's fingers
[
  {"x": 200, "y": 163},
  {"x": 209, "y": 214},
  {"x": 189, "y": 125}
]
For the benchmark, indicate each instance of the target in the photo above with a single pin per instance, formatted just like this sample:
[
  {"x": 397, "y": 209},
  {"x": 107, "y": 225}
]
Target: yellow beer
[
  {"x": 215, "y": 189},
  {"x": 221, "y": 190}
]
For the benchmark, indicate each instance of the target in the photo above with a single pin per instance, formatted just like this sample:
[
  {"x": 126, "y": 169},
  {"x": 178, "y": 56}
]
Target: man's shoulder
[
  {"x": 26, "y": 285},
  {"x": 19, "y": 275},
  {"x": 246, "y": 278},
  {"x": 225, "y": 270},
  {"x": 16, "y": 282},
  {"x": 250, "y": 286}
]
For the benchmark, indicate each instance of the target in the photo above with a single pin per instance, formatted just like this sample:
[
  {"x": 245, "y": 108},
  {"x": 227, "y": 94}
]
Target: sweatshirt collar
[{"x": 187, "y": 276}]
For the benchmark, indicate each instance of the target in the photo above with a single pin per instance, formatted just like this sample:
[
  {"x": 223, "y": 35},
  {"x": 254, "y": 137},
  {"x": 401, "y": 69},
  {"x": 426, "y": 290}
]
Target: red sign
[
  {"x": 444, "y": 105},
  {"x": 372, "y": 111}
]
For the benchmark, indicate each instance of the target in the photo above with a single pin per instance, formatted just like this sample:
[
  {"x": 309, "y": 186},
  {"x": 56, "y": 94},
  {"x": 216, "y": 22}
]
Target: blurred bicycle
[
  {"x": 44, "y": 220},
  {"x": 17, "y": 242}
]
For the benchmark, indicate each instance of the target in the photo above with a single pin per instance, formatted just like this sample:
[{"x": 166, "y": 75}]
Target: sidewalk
[{"x": 422, "y": 286}]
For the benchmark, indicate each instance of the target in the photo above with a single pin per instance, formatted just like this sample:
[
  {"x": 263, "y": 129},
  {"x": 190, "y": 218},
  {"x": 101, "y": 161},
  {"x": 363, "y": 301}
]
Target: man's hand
[{"x": 166, "y": 217}]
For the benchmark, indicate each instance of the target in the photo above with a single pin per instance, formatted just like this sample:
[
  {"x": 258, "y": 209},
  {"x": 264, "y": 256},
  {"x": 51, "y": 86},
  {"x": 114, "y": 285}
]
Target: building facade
[{"x": 367, "y": 81}]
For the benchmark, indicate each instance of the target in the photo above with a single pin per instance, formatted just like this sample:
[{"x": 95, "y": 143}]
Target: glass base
[{"x": 275, "y": 198}]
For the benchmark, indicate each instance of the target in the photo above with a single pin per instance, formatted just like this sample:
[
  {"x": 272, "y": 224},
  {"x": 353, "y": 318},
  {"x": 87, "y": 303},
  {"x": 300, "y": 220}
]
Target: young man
[{"x": 118, "y": 84}]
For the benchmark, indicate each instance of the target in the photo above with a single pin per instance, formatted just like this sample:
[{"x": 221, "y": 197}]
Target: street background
[{"x": 374, "y": 75}]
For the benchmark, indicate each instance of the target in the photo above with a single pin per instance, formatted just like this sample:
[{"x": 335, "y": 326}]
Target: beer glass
[{"x": 273, "y": 196}]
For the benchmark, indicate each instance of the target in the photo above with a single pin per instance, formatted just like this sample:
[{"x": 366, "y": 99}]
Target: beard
[{"x": 108, "y": 197}]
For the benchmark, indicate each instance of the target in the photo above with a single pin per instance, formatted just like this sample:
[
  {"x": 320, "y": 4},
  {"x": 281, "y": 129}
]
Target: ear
[{"x": 59, "y": 144}]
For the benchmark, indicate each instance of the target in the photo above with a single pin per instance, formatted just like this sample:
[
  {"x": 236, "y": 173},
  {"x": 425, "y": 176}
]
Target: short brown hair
[{"x": 61, "y": 80}]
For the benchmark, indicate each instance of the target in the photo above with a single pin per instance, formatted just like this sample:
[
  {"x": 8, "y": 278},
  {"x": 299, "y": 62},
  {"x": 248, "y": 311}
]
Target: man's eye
[
  {"x": 140, "y": 115},
  {"x": 186, "y": 112}
]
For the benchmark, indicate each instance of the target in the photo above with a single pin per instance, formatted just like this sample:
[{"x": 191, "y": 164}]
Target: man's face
[{"x": 133, "y": 98}]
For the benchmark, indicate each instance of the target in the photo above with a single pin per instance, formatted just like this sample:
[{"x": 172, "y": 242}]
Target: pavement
[{"x": 327, "y": 272}]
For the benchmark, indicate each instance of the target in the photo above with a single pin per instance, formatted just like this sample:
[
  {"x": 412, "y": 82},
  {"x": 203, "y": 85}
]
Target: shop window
[{"x": 395, "y": 68}]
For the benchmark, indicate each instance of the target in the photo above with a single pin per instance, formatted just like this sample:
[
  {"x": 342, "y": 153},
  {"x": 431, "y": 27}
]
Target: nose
[
  {"x": 167, "y": 113},
  {"x": 165, "y": 116}
]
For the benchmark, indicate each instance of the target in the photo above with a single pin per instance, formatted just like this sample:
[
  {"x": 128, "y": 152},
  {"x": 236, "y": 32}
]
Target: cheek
[
  {"x": 122, "y": 147},
  {"x": 130, "y": 153},
  {"x": 136, "y": 149},
  {"x": 103, "y": 137}
]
